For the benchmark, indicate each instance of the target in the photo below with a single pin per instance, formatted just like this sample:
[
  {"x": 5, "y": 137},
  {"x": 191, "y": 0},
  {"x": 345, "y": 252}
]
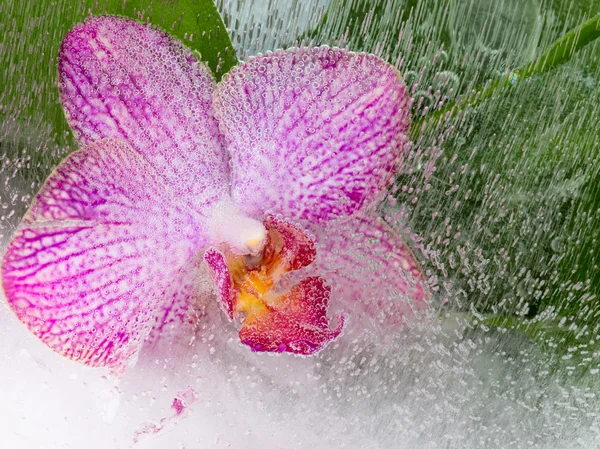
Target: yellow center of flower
[
  {"x": 278, "y": 315},
  {"x": 254, "y": 277}
]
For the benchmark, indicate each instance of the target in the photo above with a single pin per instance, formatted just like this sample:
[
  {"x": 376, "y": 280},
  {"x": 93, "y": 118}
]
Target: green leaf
[
  {"x": 563, "y": 49},
  {"x": 573, "y": 344},
  {"x": 195, "y": 22},
  {"x": 559, "y": 53}
]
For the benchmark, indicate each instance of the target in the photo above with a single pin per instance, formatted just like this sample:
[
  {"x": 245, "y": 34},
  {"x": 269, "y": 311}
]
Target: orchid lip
[{"x": 293, "y": 320}]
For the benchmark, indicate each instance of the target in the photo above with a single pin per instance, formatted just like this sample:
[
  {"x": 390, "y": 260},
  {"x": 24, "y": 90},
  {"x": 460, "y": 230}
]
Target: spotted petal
[
  {"x": 314, "y": 133},
  {"x": 295, "y": 249},
  {"x": 124, "y": 80},
  {"x": 221, "y": 278},
  {"x": 374, "y": 274},
  {"x": 99, "y": 255}
]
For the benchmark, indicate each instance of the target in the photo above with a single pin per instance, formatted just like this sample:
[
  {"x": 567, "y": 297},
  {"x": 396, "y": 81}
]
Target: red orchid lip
[{"x": 294, "y": 321}]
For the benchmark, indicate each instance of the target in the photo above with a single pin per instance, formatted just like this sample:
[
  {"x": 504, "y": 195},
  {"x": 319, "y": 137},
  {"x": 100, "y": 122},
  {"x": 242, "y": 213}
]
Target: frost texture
[{"x": 166, "y": 196}]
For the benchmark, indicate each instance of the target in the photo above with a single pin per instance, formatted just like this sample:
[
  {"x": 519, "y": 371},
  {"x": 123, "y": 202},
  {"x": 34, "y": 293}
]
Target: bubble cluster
[{"x": 507, "y": 217}]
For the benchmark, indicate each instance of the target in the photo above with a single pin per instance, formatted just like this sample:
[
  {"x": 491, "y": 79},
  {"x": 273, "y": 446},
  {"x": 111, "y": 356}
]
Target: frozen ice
[{"x": 501, "y": 207}]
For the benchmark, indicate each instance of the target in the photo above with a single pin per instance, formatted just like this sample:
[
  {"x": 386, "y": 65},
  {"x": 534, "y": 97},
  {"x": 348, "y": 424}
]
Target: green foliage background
[{"x": 510, "y": 218}]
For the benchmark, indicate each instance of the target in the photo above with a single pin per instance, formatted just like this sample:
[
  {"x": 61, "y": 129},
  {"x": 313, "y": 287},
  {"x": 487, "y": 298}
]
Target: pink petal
[
  {"x": 219, "y": 272},
  {"x": 313, "y": 133},
  {"x": 375, "y": 275},
  {"x": 298, "y": 250},
  {"x": 179, "y": 406},
  {"x": 125, "y": 80},
  {"x": 181, "y": 305},
  {"x": 99, "y": 256}
]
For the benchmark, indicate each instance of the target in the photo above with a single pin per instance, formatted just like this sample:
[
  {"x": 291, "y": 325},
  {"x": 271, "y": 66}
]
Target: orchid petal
[
  {"x": 314, "y": 133},
  {"x": 297, "y": 249},
  {"x": 221, "y": 277},
  {"x": 374, "y": 273},
  {"x": 100, "y": 256},
  {"x": 125, "y": 80}
]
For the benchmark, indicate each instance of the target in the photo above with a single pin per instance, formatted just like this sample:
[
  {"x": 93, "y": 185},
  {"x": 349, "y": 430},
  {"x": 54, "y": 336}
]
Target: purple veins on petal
[
  {"x": 98, "y": 256},
  {"x": 219, "y": 271},
  {"x": 314, "y": 133},
  {"x": 124, "y": 80},
  {"x": 73, "y": 289},
  {"x": 109, "y": 255}
]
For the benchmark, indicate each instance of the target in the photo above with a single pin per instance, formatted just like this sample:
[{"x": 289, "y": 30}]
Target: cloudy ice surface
[
  {"x": 434, "y": 384},
  {"x": 258, "y": 26}
]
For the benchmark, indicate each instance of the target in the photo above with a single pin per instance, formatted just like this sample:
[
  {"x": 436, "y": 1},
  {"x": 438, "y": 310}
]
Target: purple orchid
[{"x": 178, "y": 173}]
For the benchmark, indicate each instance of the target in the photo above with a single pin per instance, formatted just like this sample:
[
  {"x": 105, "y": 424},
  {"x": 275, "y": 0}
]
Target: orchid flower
[{"x": 266, "y": 178}]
